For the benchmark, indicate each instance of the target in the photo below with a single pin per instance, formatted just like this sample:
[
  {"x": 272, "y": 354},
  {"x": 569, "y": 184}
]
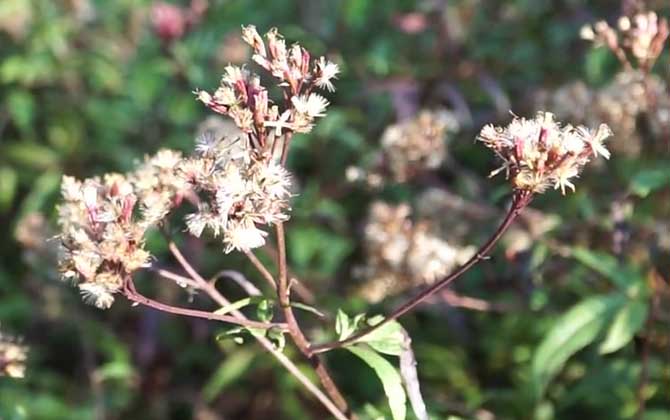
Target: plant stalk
[{"x": 519, "y": 201}]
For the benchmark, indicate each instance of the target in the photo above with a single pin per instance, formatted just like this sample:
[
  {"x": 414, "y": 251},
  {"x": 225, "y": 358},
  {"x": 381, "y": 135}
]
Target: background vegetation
[{"x": 91, "y": 86}]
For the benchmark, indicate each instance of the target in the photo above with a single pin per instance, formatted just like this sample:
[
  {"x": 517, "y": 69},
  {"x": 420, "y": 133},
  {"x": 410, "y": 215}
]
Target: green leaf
[
  {"x": 387, "y": 339},
  {"x": 21, "y": 107},
  {"x": 573, "y": 331},
  {"x": 45, "y": 187},
  {"x": 8, "y": 183},
  {"x": 390, "y": 378},
  {"x": 278, "y": 338},
  {"x": 345, "y": 326},
  {"x": 233, "y": 306},
  {"x": 342, "y": 324},
  {"x": 649, "y": 180},
  {"x": 32, "y": 155},
  {"x": 657, "y": 414},
  {"x": 317, "y": 249},
  {"x": 605, "y": 264},
  {"x": 265, "y": 310},
  {"x": 627, "y": 322},
  {"x": 230, "y": 370}
]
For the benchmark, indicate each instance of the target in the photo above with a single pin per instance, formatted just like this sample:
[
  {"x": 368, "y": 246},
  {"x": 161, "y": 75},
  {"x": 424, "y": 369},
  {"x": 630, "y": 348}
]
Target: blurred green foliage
[{"x": 88, "y": 86}]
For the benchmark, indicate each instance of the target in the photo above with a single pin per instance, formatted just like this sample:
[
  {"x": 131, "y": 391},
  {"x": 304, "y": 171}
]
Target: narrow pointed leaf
[
  {"x": 573, "y": 331},
  {"x": 389, "y": 376},
  {"x": 627, "y": 322}
]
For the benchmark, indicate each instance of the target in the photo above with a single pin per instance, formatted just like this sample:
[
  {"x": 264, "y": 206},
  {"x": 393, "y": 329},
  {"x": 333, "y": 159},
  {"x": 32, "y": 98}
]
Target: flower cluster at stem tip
[
  {"x": 238, "y": 182},
  {"x": 540, "y": 153},
  {"x": 242, "y": 97}
]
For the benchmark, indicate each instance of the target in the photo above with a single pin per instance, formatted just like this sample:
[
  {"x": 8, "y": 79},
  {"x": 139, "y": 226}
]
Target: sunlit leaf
[
  {"x": 388, "y": 339},
  {"x": 21, "y": 107},
  {"x": 233, "y": 306},
  {"x": 265, "y": 310},
  {"x": 389, "y": 376},
  {"x": 573, "y": 331},
  {"x": 8, "y": 183},
  {"x": 649, "y": 180},
  {"x": 230, "y": 370},
  {"x": 627, "y": 322}
]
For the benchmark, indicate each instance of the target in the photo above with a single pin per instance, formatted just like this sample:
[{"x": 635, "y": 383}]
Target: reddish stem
[
  {"x": 303, "y": 344},
  {"x": 520, "y": 200},
  {"x": 132, "y": 294}
]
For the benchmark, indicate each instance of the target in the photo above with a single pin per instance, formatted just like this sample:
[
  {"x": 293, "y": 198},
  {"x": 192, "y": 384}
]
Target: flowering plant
[{"x": 240, "y": 190}]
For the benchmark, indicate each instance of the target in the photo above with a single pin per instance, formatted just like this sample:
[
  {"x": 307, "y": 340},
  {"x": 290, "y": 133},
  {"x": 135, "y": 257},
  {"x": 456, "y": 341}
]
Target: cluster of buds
[
  {"x": 101, "y": 241},
  {"x": 401, "y": 253},
  {"x": 240, "y": 190},
  {"x": 242, "y": 97},
  {"x": 540, "y": 153},
  {"x": 641, "y": 37},
  {"x": 12, "y": 357}
]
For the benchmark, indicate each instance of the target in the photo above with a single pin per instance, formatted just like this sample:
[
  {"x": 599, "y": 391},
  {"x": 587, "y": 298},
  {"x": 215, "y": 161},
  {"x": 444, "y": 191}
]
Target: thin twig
[
  {"x": 212, "y": 291},
  {"x": 180, "y": 280},
  {"x": 132, "y": 294},
  {"x": 459, "y": 301},
  {"x": 261, "y": 269},
  {"x": 238, "y": 278},
  {"x": 284, "y": 152},
  {"x": 520, "y": 200}
]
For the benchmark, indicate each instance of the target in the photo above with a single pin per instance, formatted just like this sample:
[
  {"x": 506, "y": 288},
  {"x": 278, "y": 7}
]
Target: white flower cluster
[
  {"x": 240, "y": 190},
  {"x": 242, "y": 97},
  {"x": 539, "y": 153},
  {"x": 101, "y": 241},
  {"x": 235, "y": 179},
  {"x": 158, "y": 186}
]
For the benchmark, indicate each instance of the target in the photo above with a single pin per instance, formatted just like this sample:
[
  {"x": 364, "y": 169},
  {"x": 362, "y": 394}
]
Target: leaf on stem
[{"x": 388, "y": 375}]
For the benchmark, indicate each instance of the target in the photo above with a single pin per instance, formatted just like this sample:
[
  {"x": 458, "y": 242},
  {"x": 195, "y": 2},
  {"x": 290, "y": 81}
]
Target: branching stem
[
  {"x": 132, "y": 294},
  {"x": 210, "y": 288},
  {"x": 303, "y": 344}
]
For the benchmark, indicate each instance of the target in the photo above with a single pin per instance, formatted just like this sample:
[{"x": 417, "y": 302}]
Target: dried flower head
[
  {"x": 101, "y": 241},
  {"x": 630, "y": 100},
  {"x": 158, "y": 186},
  {"x": 245, "y": 99},
  {"x": 539, "y": 153},
  {"x": 239, "y": 191},
  {"x": 401, "y": 253},
  {"x": 12, "y": 357},
  {"x": 409, "y": 148},
  {"x": 641, "y": 37}
]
